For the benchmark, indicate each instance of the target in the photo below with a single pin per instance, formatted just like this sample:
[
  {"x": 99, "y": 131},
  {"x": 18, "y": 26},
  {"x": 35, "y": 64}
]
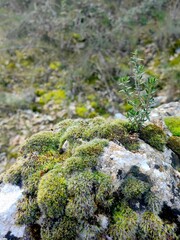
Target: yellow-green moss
[
  {"x": 36, "y": 167},
  {"x": 82, "y": 111},
  {"x": 174, "y": 144},
  {"x": 152, "y": 227},
  {"x": 13, "y": 174},
  {"x": 154, "y": 136},
  {"x": 41, "y": 142},
  {"x": 55, "y": 65},
  {"x": 125, "y": 223},
  {"x": 52, "y": 195},
  {"x": 56, "y": 95},
  {"x": 28, "y": 211},
  {"x": 65, "y": 229},
  {"x": 87, "y": 190},
  {"x": 173, "y": 123},
  {"x": 91, "y": 149},
  {"x": 111, "y": 129},
  {"x": 133, "y": 188}
]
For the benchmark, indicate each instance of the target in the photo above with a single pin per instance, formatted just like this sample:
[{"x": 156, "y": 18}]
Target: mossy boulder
[
  {"x": 154, "y": 136},
  {"x": 69, "y": 189}
]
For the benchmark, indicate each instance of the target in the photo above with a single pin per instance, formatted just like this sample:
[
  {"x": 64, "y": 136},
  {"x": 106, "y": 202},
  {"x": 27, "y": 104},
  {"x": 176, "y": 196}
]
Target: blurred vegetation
[{"x": 74, "y": 51}]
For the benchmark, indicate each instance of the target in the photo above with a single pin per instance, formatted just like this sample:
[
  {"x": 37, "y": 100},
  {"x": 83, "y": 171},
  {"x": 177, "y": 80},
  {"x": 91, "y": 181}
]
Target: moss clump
[
  {"x": 63, "y": 125},
  {"x": 91, "y": 149},
  {"x": 56, "y": 95},
  {"x": 153, "y": 203},
  {"x": 113, "y": 130},
  {"x": 87, "y": 191},
  {"x": 154, "y": 136},
  {"x": 173, "y": 123},
  {"x": 152, "y": 227},
  {"x": 133, "y": 188},
  {"x": 174, "y": 144},
  {"x": 82, "y": 111},
  {"x": 13, "y": 174},
  {"x": 125, "y": 223},
  {"x": 41, "y": 142},
  {"x": 65, "y": 229},
  {"x": 28, "y": 211},
  {"x": 74, "y": 133},
  {"x": 52, "y": 194}
]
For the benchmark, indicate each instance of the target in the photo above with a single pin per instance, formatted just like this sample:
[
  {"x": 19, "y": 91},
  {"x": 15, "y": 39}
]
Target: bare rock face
[{"x": 9, "y": 196}]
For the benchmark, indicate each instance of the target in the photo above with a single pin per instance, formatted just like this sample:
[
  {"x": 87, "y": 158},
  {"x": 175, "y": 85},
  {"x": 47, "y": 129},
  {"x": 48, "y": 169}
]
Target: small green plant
[{"x": 140, "y": 94}]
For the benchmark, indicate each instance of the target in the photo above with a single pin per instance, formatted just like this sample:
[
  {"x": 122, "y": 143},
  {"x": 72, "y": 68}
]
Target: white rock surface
[{"x": 9, "y": 196}]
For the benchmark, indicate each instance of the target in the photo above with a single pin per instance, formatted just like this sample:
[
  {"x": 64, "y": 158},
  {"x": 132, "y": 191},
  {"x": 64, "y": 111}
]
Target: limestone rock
[{"x": 9, "y": 196}]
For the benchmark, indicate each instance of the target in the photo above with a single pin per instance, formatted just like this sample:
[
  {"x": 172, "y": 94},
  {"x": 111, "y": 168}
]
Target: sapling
[{"x": 139, "y": 95}]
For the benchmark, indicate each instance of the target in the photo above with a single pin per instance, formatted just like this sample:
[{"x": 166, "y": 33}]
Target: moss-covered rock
[
  {"x": 69, "y": 191},
  {"x": 154, "y": 136},
  {"x": 174, "y": 143},
  {"x": 173, "y": 123}
]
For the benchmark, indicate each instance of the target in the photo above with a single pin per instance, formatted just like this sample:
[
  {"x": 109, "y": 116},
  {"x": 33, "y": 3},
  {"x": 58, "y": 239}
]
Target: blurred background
[{"x": 63, "y": 59}]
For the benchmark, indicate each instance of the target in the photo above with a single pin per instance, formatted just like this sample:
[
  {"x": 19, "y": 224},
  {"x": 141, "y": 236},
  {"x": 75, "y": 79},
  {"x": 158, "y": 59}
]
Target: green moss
[
  {"x": 63, "y": 125},
  {"x": 104, "y": 190},
  {"x": 82, "y": 111},
  {"x": 28, "y": 211},
  {"x": 91, "y": 149},
  {"x": 125, "y": 223},
  {"x": 39, "y": 92},
  {"x": 74, "y": 132},
  {"x": 174, "y": 144},
  {"x": 152, "y": 227},
  {"x": 13, "y": 174},
  {"x": 87, "y": 190},
  {"x": 56, "y": 95},
  {"x": 52, "y": 194},
  {"x": 154, "y": 136},
  {"x": 133, "y": 188},
  {"x": 81, "y": 203},
  {"x": 113, "y": 130},
  {"x": 153, "y": 203},
  {"x": 175, "y": 61},
  {"x": 41, "y": 142},
  {"x": 55, "y": 65},
  {"x": 65, "y": 229},
  {"x": 173, "y": 123}
]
